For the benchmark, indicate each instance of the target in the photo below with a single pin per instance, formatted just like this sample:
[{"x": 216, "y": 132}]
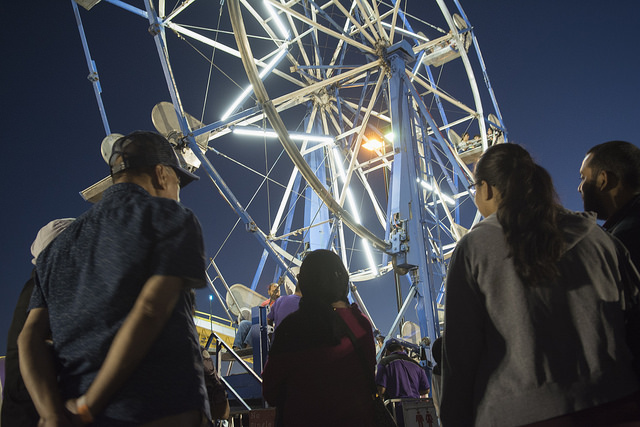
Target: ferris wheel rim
[
  {"x": 283, "y": 101},
  {"x": 267, "y": 105}
]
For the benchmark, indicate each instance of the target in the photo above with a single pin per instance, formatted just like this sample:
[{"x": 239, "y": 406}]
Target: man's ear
[
  {"x": 160, "y": 177},
  {"x": 606, "y": 181}
]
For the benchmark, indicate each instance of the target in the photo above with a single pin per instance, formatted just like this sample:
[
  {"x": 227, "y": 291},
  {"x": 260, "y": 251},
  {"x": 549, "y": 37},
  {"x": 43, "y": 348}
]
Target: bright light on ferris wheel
[
  {"x": 372, "y": 145},
  {"x": 356, "y": 215},
  {"x": 245, "y": 93},
  {"x": 442, "y": 196},
  {"x": 338, "y": 160},
  {"x": 295, "y": 136},
  {"x": 283, "y": 31}
]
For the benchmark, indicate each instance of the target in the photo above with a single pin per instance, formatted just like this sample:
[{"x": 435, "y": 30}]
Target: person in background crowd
[
  {"x": 17, "y": 407},
  {"x": 283, "y": 307},
  {"x": 610, "y": 187},
  {"x": 314, "y": 376},
  {"x": 247, "y": 331},
  {"x": 399, "y": 377},
  {"x": 537, "y": 298},
  {"x": 216, "y": 391},
  {"x": 274, "y": 293},
  {"x": 436, "y": 372}
]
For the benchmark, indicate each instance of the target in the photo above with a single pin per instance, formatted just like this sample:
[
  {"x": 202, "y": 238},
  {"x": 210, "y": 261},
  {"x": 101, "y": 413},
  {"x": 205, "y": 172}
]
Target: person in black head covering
[{"x": 314, "y": 375}]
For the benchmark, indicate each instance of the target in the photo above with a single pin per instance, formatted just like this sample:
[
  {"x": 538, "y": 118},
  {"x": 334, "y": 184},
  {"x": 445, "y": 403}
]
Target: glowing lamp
[{"x": 372, "y": 145}]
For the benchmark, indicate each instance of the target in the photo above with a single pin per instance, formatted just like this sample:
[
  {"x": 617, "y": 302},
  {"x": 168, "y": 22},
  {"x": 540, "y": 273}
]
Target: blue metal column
[
  {"x": 405, "y": 205},
  {"x": 315, "y": 211},
  {"x": 93, "y": 70}
]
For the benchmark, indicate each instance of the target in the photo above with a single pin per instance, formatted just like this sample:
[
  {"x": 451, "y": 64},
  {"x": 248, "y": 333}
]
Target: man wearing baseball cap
[
  {"x": 141, "y": 151},
  {"x": 113, "y": 291}
]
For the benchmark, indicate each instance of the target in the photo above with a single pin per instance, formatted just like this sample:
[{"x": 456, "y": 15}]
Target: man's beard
[{"x": 591, "y": 200}]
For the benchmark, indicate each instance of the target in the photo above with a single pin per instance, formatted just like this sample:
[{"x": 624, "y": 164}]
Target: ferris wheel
[{"x": 370, "y": 115}]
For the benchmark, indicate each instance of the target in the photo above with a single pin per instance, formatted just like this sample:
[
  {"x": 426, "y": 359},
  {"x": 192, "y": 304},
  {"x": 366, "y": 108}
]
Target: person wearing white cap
[
  {"x": 46, "y": 235},
  {"x": 17, "y": 407},
  {"x": 114, "y": 292}
]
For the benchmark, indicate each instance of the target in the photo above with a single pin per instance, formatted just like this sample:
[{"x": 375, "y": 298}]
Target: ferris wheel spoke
[
  {"x": 394, "y": 19},
  {"x": 378, "y": 20},
  {"x": 223, "y": 47},
  {"x": 365, "y": 118},
  {"x": 199, "y": 37},
  {"x": 339, "y": 51},
  {"x": 351, "y": 19},
  {"x": 366, "y": 12},
  {"x": 431, "y": 89},
  {"x": 175, "y": 12},
  {"x": 321, "y": 28},
  {"x": 354, "y": 107},
  {"x": 297, "y": 39},
  {"x": 313, "y": 88},
  {"x": 361, "y": 175}
]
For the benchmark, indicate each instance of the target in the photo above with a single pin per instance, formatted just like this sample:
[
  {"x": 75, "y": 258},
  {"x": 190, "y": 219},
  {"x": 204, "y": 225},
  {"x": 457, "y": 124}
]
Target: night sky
[{"x": 564, "y": 73}]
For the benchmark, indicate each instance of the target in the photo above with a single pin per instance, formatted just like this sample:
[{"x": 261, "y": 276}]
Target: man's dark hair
[
  {"x": 140, "y": 151},
  {"x": 134, "y": 171},
  {"x": 394, "y": 346},
  {"x": 619, "y": 158}
]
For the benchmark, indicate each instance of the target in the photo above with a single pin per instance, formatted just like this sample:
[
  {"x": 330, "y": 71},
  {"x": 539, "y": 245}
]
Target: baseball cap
[
  {"x": 143, "y": 148},
  {"x": 46, "y": 235}
]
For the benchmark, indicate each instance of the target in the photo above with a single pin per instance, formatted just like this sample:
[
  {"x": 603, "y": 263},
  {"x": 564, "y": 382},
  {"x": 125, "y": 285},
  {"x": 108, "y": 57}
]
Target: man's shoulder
[
  {"x": 629, "y": 222},
  {"x": 626, "y": 226},
  {"x": 133, "y": 194},
  {"x": 287, "y": 299},
  {"x": 397, "y": 357},
  {"x": 626, "y": 218},
  {"x": 168, "y": 216}
]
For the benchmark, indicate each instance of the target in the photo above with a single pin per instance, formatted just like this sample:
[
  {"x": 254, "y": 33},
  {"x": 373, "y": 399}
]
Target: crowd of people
[{"x": 542, "y": 314}]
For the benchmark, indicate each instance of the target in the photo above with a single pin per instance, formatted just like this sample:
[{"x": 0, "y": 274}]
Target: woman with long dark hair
[
  {"x": 314, "y": 375},
  {"x": 535, "y": 309}
]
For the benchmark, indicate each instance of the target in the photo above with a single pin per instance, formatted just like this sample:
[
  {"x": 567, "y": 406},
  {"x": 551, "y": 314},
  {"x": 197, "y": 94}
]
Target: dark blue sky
[{"x": 564, "y": 73}]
